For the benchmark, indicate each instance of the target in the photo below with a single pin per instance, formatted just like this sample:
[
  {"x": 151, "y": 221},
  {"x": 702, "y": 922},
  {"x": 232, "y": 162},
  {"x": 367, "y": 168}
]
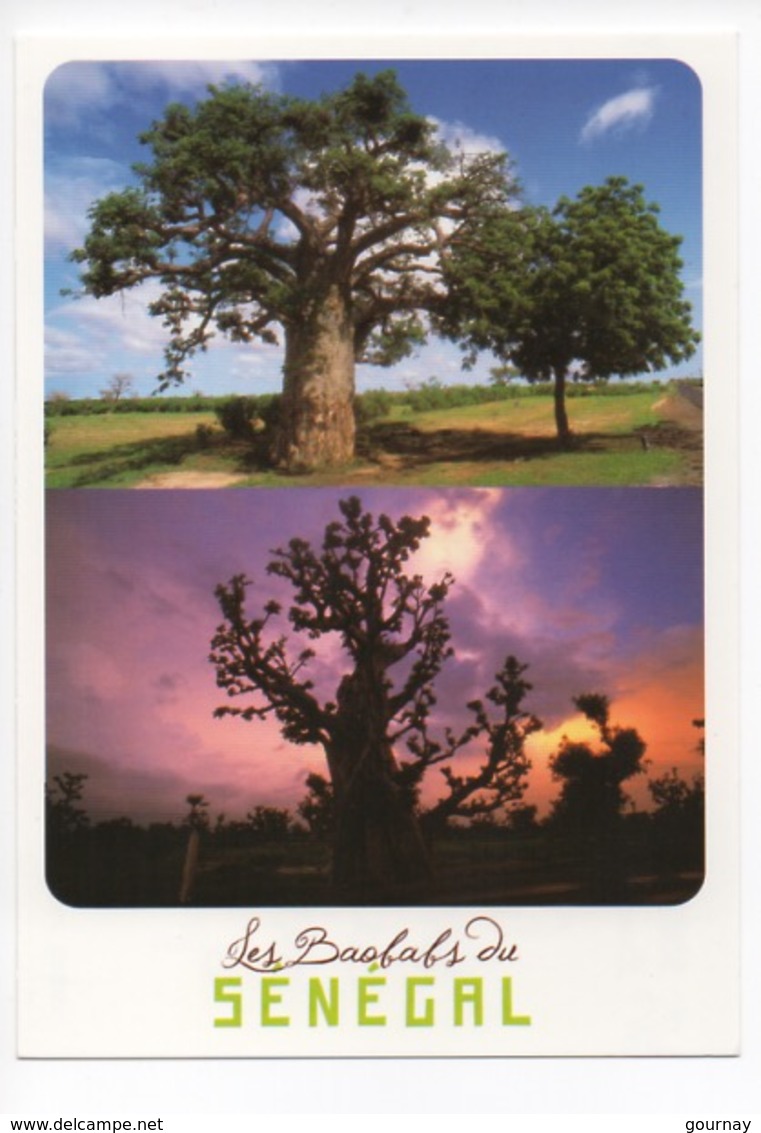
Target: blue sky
[{"x": 565, "y": 124}]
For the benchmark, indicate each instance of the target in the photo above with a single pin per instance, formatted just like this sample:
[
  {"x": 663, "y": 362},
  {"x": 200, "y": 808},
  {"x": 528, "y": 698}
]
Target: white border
[{"x": 724, "y": 562}]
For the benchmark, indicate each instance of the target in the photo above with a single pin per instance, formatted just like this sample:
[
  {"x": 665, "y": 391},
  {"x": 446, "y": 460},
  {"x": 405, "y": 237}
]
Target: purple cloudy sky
[{"x": 597, "y": 590}]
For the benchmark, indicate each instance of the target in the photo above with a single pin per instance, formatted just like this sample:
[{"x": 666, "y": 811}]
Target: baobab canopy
[{"x": 325, "y": 222}]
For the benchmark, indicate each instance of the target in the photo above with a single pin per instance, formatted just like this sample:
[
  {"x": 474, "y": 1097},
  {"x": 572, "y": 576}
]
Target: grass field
[{"x": 641, "y": 438}]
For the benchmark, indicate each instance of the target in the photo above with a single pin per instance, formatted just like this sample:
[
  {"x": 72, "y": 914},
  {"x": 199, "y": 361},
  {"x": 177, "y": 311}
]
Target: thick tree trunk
[
  {"x": 316, "y": 427},
  {"x": 379, "y": 853},
  {"x": 561, "y": 416}
]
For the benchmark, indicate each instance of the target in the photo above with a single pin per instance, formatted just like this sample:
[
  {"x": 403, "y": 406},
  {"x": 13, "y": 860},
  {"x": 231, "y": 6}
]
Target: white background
[{"x": 698, "y": 1088}]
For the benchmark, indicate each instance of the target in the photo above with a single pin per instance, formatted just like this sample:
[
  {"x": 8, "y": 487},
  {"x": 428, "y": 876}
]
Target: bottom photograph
[{"x": 390, "y": 697}]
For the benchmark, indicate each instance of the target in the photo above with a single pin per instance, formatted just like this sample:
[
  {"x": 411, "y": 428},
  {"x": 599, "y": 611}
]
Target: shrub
[
  {"x": 57, "y": 404},
  {"x": 243, "y": 418},
  {"x": 268, "y": 411},
  {"x": 236, "y": 417},
  {"x": 372, "y": 404}
]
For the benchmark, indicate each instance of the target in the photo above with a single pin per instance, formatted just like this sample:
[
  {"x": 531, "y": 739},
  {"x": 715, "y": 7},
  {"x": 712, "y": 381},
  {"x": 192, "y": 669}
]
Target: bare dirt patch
[
  {"x": 190, "y": 480},
  {"x": 677, "y": 407},
  {"x": 681, "y": 428}
]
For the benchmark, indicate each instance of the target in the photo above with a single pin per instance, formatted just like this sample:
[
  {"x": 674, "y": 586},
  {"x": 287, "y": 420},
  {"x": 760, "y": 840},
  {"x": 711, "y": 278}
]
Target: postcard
[{"x": 378, "y": 538}]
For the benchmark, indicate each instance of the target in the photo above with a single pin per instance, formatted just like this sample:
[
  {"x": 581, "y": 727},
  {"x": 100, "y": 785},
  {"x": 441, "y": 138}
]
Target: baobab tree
[
  {"x": 325, "y": 221},
  {"x": 376, "y": 729}
]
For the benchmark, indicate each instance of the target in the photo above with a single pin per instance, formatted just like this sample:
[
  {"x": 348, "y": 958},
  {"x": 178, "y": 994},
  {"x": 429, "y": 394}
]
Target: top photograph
[{"x": 436, "y": 272}]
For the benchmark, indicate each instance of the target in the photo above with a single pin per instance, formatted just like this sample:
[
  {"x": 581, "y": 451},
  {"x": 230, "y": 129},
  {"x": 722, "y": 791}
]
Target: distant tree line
[
  {"x": 594, "y": 840},
  {"x": 428, "y": 394},
  {"x": 254, "y": 419}
]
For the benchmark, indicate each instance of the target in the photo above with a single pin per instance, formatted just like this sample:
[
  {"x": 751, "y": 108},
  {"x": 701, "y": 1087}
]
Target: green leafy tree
[
  {"x": 375, "y": 728},
  {"x": 326, "y": 221},
  {"x": 502, "y": 375},
  {"x": 587, "y": 291}
]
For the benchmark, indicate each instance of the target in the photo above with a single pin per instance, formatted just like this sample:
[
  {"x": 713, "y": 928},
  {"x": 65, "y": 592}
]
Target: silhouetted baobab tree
[{"x": 395, "y": 639}]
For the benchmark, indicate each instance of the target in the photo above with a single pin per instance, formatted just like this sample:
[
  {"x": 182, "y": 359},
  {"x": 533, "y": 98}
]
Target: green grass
[
  {"x": 535, "y": 414},
  {"x": 509, "y": 442},
  {"x": 121, "y": 450},
  {"x": 609, "y": 469}
]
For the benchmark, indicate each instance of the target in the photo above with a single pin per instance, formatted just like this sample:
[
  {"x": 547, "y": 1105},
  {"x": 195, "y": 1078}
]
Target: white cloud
[
  {"x": 70, "y": 189},
  {"x": 66, "y": 352},
  {"x": 461, "y": 534},
  {"x": 76, "y": 89},
  {"x": 188, "y": 76},
  {"x": 100, "y": 336},
  {"x": 617, "y": 115},
  {"x": 82, "y": 334},
  {"x": 461, "y": 138},
  {"x": 252, "y": 361},
  {"x": 85, "y": 94}
]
